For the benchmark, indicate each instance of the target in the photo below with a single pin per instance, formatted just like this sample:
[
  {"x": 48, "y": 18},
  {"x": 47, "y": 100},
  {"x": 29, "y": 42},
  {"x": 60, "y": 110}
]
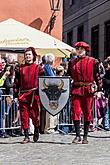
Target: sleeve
[
  {"x": 2, "y": 80},
  {"x": 69, "y": 69},
  {"x": 106, "y": 81},
  {"x": 48, "y": 70},
  {"x": 41, "y": 71},
  {"x": 8, "y": 84},
  {"x": 97, "y": 75},
  {"x": 101, "y": 70},
  {"x": 16, "y": 84}
]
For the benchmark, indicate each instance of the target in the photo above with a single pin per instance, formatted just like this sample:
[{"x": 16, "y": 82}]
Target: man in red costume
[
  {"x": 84, "y": 72},
  {"x": 27, "y": 85}
]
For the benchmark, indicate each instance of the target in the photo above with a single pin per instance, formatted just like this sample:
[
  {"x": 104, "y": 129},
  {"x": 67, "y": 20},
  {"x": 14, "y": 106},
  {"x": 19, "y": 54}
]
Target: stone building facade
[{"x": 88, "y": 20}]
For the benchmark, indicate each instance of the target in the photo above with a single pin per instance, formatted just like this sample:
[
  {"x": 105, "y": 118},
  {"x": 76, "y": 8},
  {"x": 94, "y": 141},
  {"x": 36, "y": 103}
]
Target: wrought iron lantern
[{"x": 55, "y": 7}]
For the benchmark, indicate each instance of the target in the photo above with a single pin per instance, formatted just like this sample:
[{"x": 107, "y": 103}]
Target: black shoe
[
  {"x": 77, "y": 140},
  {"x": 107, "y": 129},
  {"x": 25, "y": 140},
  {"x": 36, "y": 134},
  {"x": 85, "y": 141},
  {"x": 5, "y": 135},
  {"x": 14, "y": 135},
  {"x": 1, "y": 135},
  {"x": 41, "y": 132}
]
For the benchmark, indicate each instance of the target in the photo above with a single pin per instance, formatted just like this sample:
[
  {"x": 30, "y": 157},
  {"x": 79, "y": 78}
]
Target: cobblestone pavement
[{"x": 56, "y": 149}]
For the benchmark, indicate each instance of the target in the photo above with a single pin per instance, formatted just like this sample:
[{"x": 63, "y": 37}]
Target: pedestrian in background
[
  {"x": 42, "y": 110},
  {"x": 106, "y": 88},
  {"x": 49, "y": 71}
]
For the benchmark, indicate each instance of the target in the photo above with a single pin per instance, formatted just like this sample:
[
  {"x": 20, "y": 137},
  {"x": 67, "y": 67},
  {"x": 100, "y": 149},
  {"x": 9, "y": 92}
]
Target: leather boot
[
  {"x": 86, "y": 129},
  {"x": 36, "y": 134},
  {"x": 77, "y": 139},
  {"x": 26, "y": 139}
]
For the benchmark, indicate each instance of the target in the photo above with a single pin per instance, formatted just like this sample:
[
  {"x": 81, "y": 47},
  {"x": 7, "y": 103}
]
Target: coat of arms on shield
[{"x": 54, "y": 93}]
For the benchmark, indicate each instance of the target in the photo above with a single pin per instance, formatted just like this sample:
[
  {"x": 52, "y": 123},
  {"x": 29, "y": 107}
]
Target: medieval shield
[{"x": 54, "y": 93}]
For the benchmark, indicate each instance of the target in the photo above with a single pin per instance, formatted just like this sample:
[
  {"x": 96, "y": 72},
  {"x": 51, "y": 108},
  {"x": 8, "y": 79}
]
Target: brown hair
[
  {"x": 59, "y": 69},
  {"x": 33, "y": 52}
]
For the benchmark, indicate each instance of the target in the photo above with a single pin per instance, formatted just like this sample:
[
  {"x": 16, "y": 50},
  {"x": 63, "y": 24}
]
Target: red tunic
[
  {"x": 82, "y": 72},
  {"x": 29, "y": 74},
  {"x": 29, "y": 102}
]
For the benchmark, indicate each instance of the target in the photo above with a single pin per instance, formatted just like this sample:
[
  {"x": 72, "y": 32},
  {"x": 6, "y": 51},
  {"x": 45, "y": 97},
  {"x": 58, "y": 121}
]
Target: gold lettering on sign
[{"x": 18, "y": 41}]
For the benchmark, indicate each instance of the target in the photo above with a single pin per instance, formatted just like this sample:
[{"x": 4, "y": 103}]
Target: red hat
[{"x": 83, "y": 44}]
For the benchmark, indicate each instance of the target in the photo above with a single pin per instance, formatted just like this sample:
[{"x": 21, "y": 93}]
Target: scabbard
[{"x": 32, "y": 100}]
